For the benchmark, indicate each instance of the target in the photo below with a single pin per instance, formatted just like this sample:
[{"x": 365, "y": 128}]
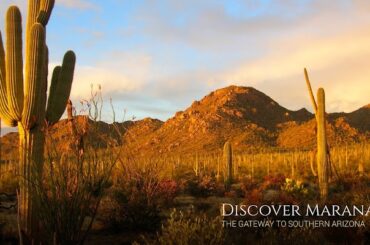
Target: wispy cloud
[
  {"x": 78, "y": 4},
  {"x": 117, "y": 72},
  {"x": 269, "y": 47},
  {"x": 337, "y": 63}
]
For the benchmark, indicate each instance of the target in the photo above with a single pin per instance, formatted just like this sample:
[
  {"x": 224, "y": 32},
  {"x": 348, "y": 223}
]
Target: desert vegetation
[{"x": 150, "y": 201}]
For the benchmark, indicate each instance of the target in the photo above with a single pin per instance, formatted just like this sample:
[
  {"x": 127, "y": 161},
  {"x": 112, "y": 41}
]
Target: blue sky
[{"x": 154, "y": 58}]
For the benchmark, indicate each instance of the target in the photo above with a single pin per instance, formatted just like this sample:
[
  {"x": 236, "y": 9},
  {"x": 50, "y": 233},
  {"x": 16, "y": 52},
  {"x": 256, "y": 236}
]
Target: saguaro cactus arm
[
  {"x": 4, "y": 111},
  {"x": 53, "y": 86},
  {"x": 14, "y": 62},
  {"x": 34, "y": 77},
  {"x": 2, "y": 60},
  {"x": 60, "y": 88},
  {"x": 312, "y": 97},
  {"x": 46, "y": 7},
  {"x": 33, "y": 12}
]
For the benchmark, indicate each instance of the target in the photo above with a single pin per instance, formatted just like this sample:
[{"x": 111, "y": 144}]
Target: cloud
[
  {"x": 338, "y": 63},
  {"x": 137, "y": 82},
  {"x": 117, "y": 72},
  {"x": 267, "y": 48},
  {"x": 210, "y": 26},
  {"x": 77, "y": 4}
]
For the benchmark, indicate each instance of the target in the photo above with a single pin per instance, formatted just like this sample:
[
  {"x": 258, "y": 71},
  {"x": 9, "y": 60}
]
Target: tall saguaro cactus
[
  {"x": 228, "y": 158},
  {"x": 322, "y": 161},
  {"x": 23, "y": 96},
  {"x": 323, "y": 157}
]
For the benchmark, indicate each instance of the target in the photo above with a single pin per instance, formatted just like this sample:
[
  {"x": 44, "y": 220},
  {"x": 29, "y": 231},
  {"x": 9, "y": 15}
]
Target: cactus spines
[
  {"x": 228, "y": 158},
  {"x": 23, "y": 102},
  {"x": 322, "y": 161}
]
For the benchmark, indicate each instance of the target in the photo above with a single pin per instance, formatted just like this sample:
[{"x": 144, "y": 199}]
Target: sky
[{"x": 154, "y": 57}]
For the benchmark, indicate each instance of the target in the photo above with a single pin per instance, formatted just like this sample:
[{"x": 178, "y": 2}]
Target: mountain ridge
[{"x": 247, "y": 117}]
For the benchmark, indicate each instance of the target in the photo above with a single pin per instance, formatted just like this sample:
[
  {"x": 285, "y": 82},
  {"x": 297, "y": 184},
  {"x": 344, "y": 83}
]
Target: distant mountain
[
  {"x": 243, "y": 114},
  {"x": 247, "y": 117},
  {"x": 359, "y": 119},
  {"x": 6, "y": 130}
]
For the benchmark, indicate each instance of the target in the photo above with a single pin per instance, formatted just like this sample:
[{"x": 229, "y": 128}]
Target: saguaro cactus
[
  {"x": 228, "y": 158},
  {"x": 23, "y": 96},
  {"x": 196, "y": 165},
  {"x": 323, "y": 156},
  {"x": 218, "y": 176},
  {"x": 322, "y": 160}
]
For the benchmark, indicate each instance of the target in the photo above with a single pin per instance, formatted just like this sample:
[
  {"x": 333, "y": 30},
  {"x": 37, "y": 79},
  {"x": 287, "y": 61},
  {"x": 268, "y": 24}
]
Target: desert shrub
[
  {"x": 190, "y": 228},
  {"x": 254, "y": 191},
  {"x": 168, "y": 188},
  {"x": 202, "y": 186},
  {"x": 8, "y": 182},
  {"x": 248, "y": 185},
  {"x": 75, "y": 177},
  {"x": 139, "y": 195},
  {"x": 181, "y": 175},
  {"x": 70, "y": 193},
  {"x": 273, "y": 182},
  {"x": 297, "y": 189}
]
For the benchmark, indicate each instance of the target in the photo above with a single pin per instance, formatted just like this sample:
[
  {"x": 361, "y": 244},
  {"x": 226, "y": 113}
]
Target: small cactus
[
  {"x": 228, "y": 158},
  {"x": 218, "y": 176},
  {"x": 361, "y": 169},
  {"x": 196, "y": 165}
]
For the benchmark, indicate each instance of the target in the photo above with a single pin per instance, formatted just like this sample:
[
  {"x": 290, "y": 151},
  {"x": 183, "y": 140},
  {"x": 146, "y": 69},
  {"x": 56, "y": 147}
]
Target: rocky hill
[
  {"x": 242, "y": 114},
  {"x": 251, "y": 120},
  {"x": 247, "y": 117},
  {"x": 359, "y": 119}
]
